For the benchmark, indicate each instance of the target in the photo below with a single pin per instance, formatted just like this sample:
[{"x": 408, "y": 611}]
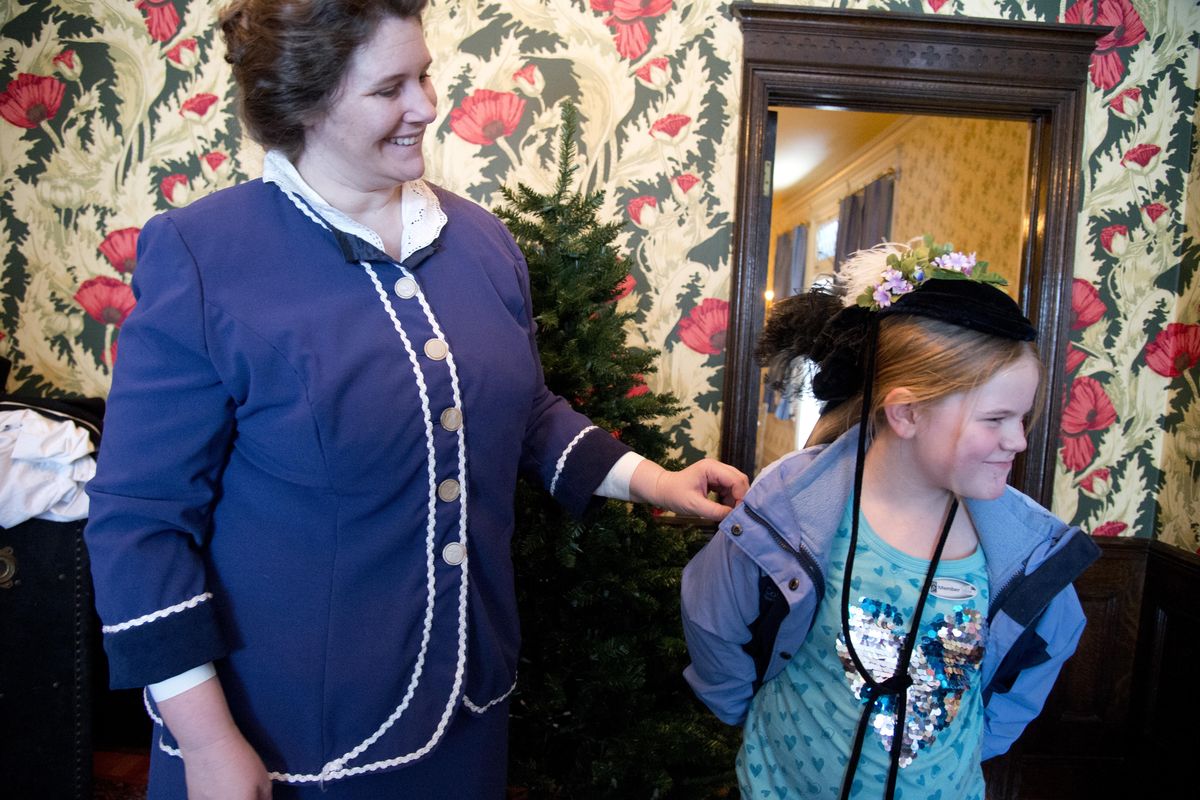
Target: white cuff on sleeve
[
  {"x": 164, "y": 690},
  {"x": 616, "y": 482}
]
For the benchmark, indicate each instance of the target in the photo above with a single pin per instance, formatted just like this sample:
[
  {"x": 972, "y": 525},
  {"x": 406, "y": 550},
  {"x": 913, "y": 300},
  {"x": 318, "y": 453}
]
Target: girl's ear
[{"x": 900, "y": 409}]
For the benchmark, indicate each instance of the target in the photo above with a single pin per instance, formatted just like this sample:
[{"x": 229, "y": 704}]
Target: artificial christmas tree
[{"x": 601, "y": 709}]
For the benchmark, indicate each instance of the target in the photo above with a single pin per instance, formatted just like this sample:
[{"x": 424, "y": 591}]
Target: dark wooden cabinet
[
  {"x": 47, "y": 635},
  {"x": 1120, "y": 722}
]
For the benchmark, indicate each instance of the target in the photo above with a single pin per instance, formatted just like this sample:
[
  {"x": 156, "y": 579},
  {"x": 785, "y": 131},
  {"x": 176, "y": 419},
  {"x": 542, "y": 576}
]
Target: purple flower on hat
[
  {"x": 891, "y": 287},
  {"x": 956, "y": 262}
]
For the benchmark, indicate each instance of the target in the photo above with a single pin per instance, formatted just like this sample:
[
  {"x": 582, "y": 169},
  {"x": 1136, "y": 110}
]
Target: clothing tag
[{"x": 952, "y": 589}]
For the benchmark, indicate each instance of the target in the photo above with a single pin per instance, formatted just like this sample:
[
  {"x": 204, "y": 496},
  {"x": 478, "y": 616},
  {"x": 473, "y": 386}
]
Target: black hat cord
[{"x": 898, "y": 684}]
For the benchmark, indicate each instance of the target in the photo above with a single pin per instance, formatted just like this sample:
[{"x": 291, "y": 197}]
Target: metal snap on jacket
[
  {"x": 735, "y": 529},
  {"x": 794, "y": 584},
  {"x": 448, "y": 490},
  {"x": 436, "y": 349},
  {"x": 451, "y": 419},
  {"x": 406, "y": 288},
  {"x": 453, "y": 554}
]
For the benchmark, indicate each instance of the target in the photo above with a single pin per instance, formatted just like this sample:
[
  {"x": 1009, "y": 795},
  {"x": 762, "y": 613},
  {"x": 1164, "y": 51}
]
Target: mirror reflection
[{"x": 844, "y": 180}]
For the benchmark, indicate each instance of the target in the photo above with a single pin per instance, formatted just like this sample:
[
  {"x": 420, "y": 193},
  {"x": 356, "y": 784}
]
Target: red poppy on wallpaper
[
  {"x": 486, "y": 116},
  {"x": 162, "y": 20},
  {"x": 30, "y": 100},
  {"x": 1110, "y": 529},
  {"x": 199, "y": 108},
  {"x": 1097, "y": 483},
  {"x": 1086, "y": 306},
  {"x": 1175, "y": 349},
  {"x": 631, "y": 38},
  {"x": 120, "y": 248},
  {"x": 625, "y": 287},
  {"x": 1141, "y": 155},
  {"x": 215, "y": 164},
  {"x": 1128, "y": 104},
  {"x": 1075, "y": 357},
  {"x": 682, "y": 184},
  {"x": 68, "y": 65},
  {"x": 630, "y": 33},
  {"x": 184, "y": 54},
  {"x": 704, "y": 328},
  {"x": 1106, "y": 67},
  {"x": 106, "y": 300},
  {"x": 643, "y": 210},
  {"x": 1151, "y": 212},
  {"x": 1115, "y": 239},
  {"x": 177, "y": 189},
  {"x": 529, "y": 80},
  {"x": 639, "y": 386},
  {"x": 654, "y": 73},
  {"x": 1088, "y": 409},
  {"x": 671, "y": 128}
]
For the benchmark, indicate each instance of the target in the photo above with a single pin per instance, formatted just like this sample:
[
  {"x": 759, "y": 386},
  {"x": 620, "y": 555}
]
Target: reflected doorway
[{"x": 964, "y": 180}]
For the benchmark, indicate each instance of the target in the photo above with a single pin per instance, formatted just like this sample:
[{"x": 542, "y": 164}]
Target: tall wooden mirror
[{"x": 1032, "y": 74}]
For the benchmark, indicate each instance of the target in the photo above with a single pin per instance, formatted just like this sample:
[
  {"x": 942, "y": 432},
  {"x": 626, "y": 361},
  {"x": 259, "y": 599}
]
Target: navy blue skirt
[{"x": 470, "y": 763}]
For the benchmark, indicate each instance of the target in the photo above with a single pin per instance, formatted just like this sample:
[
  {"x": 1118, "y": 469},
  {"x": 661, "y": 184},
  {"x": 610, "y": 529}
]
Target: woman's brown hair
[{"x": 289, "y": 57}]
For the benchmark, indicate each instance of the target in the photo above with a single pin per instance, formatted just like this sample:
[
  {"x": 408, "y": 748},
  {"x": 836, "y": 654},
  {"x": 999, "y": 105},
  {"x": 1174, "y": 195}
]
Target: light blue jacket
[{"x": 750, "y": 596}]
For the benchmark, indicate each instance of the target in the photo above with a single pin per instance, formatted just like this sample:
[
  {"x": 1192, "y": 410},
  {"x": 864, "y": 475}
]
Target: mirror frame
[{"x": 915, "y": 63}]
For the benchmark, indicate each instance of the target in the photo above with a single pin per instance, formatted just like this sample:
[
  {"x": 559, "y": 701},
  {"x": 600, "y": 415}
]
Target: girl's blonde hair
[{"x": 932, "y": 359}]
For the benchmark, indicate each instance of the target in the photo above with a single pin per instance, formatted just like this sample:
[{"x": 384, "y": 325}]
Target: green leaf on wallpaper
[
  {"x": 1177, "y": 27},
  {"x": 138, "y": 72},
  {"x": 1065, "y": 503},
  {"x": 36, "y": 56},
  {"x": 15, "y": 150},
  {"x": 9, "y": 9}
]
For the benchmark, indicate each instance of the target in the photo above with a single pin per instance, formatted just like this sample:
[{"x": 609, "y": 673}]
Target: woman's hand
[
  {"x": 226, "y": 769},
  {"x": 686, "y": 491},
  {"x": 218, "y": 762}
]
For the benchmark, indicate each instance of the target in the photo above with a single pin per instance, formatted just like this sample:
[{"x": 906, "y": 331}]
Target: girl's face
[
  {"x": 966, "y": 442},
  {"x": 371, "y": 136}
]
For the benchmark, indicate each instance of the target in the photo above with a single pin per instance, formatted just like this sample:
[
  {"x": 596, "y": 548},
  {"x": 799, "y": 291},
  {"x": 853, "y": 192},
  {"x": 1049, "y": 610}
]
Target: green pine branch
[{"x": 601, "y": 709}]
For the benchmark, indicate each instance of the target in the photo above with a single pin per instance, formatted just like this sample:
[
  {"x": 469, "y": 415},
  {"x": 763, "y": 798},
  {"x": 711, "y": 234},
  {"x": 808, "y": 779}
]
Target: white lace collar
[{"x": 419, "y": 207}]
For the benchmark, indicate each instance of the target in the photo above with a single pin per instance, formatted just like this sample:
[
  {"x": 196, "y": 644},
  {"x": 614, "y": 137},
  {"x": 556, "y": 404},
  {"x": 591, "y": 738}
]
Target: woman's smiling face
[
  {"x": 966, "y": 442},
  {"x": 371, "y": 136}
]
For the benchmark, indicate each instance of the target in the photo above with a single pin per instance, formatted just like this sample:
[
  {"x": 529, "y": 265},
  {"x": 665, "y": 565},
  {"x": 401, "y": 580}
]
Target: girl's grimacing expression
[
  {"x": 966, "y": 442},
  {"x": 370, "y": 138}
]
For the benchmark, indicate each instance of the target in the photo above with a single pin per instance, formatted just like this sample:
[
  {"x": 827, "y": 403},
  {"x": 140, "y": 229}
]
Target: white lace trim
[
  {"x": 162, "y": 612},
  {"x": 562, "y": 459},
  {"x": 480, "y": 709},
  {"x": 420, "y": 210},
  {"x": 171, "y": 751}
]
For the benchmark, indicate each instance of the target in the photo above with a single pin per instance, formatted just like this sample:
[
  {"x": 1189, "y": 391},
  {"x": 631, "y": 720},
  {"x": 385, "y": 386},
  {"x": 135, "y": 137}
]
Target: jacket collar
[
  {"x": 1016, "y": 534},
  {"x": 420, "y": 210}
]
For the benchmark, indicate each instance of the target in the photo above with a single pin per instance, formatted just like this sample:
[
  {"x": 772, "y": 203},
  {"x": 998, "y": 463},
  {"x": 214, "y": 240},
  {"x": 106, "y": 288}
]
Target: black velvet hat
[{"x": 967, "y": 303}]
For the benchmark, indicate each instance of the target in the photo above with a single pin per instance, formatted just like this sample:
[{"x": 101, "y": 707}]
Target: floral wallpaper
[{"x": 114, "y": 111}]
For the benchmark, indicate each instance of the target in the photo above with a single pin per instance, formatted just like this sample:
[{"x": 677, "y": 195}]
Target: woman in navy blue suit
[{"x": 300, "y": 528}]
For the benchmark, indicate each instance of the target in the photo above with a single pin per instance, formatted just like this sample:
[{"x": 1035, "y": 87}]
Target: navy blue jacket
[{"x": 307, "y": 475}]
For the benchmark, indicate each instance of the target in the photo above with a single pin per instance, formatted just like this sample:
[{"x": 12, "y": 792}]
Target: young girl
[{"x": 886, "y": 578}]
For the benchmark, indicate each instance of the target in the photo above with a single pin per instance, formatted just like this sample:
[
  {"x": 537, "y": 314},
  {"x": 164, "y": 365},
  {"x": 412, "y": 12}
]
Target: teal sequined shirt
[{"x": 801, "y": 724}]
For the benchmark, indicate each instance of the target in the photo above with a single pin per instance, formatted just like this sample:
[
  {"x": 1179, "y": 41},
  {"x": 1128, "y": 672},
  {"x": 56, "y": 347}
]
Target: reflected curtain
[
  {"x": 791, "y": 256},
  {"x": 865, "y": 218}
]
